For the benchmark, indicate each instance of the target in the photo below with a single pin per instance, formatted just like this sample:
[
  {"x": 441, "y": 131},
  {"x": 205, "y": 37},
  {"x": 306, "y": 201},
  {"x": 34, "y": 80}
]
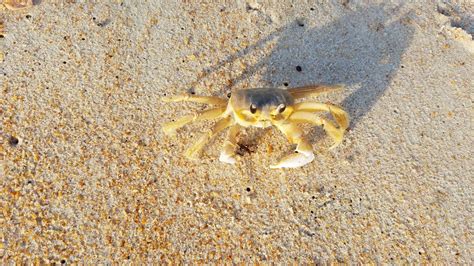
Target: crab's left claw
[
  {"x": 294, "y": 160},
  {"x": 304, "y": 151},
  {"x": 227, "y": 158}
]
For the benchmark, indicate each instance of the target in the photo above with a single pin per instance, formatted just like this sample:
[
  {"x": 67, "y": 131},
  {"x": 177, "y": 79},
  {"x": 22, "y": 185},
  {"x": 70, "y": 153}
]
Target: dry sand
[{"x": 87, "y": 175}]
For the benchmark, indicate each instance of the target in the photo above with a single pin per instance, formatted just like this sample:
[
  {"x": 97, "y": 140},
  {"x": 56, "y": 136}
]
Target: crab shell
[{"x": 267, "y": 103}]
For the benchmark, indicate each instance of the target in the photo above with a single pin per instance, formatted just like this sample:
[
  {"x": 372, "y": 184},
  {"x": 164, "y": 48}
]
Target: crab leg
[
  {"x": 197, "y": 99},
  {"x": 171, "y": 127},
  {"x": 228, "y": 151},
  {"x": 304, "y": 151},
  {"x": 218, "y": 127},
  {"x": 341, "y": 117},
  {"x": 313, "y": 90},
  {"x": 336, "y": 133}
]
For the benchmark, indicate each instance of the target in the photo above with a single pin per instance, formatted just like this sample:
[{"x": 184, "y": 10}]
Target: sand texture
[{"x": 88, "y": 176}]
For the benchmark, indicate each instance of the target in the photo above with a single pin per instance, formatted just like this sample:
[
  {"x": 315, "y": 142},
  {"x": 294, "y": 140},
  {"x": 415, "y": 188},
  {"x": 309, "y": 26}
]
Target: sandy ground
[{"x": 88, "y": 176}]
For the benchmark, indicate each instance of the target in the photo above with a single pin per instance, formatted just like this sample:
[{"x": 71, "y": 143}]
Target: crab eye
[
  {"x": 281, "y": 108},
  {"x": 253, "y": 108}
]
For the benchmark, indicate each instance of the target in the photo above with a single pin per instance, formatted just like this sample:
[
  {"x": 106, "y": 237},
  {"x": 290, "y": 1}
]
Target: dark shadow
[{"x": 362, "y": 49}]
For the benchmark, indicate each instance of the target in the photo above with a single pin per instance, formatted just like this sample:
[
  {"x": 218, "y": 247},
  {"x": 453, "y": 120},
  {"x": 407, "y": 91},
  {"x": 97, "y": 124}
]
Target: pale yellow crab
[{"x": 264, "y": 107}]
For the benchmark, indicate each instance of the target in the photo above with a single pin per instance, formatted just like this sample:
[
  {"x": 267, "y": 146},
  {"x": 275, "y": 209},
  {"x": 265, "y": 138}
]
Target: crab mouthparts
[{"x": 264, "y": 123}]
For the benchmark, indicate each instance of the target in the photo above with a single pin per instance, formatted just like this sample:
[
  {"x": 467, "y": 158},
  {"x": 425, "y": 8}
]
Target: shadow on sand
[
  {"x": 362, "y": 49},
  {"x": 350, "y": 50}
]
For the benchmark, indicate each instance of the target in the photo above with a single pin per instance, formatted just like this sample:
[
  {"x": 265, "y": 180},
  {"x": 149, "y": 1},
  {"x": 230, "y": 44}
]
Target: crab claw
[
  {"x": 294, "y": 160},
  {"x": 228, "y": 151},
  {"x": 227, "y": 158}
]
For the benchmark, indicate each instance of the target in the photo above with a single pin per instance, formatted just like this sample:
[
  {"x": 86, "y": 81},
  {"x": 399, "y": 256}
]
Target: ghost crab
[{"x": 264, "y": 107}]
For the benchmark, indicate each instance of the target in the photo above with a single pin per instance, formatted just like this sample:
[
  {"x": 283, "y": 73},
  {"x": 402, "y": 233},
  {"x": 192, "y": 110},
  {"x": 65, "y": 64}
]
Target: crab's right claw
[{"x": 228, "y": 150}]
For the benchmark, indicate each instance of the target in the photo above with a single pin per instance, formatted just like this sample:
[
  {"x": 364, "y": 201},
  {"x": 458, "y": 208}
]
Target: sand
[{"x": 88, "y": 176}]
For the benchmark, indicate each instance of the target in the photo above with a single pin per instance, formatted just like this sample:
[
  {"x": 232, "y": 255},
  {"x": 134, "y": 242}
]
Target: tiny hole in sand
[
  {"x": 298, "y": 68},
  {"x": 285, "y": 84},
  {"x": 13, "y": 141}
]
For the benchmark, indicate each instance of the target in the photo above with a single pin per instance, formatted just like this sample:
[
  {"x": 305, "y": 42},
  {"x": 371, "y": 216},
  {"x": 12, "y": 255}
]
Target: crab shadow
[{"x": 362, "y": 49}]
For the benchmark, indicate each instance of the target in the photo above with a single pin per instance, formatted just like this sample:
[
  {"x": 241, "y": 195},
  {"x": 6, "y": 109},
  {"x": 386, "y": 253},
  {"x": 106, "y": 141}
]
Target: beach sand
[{"x": 88, "y": 176}]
